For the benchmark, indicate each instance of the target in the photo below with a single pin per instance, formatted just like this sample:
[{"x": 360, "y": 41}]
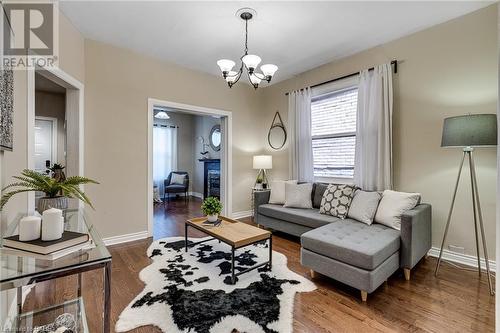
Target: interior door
[{"x": 45, "y": 143}]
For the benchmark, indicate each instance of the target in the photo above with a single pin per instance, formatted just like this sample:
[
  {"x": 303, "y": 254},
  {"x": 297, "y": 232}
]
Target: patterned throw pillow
[{"x": 337, "y": 199}]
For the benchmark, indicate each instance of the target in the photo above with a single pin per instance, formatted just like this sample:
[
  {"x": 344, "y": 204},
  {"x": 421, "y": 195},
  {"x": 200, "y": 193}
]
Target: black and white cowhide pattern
[{"x": 191, "y": 292}]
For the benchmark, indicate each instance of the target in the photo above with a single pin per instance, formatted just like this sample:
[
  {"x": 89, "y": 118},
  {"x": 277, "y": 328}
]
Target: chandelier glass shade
[{"x": 249, "y": 63}]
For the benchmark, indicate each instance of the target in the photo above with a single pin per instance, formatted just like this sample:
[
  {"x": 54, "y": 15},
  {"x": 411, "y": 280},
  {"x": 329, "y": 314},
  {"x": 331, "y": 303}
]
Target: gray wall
[
  {"x": 190, "y": 127},
  {"x": 202, "y": 127},
  {"x": 185, "y": 138}
]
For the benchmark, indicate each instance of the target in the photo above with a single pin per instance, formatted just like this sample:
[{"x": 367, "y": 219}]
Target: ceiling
[{"x": 296, "y": 36}]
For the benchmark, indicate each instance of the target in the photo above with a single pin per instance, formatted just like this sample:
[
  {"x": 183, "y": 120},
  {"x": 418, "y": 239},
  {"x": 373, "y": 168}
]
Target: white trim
[
  {"x": 226, "y": 160},
  {"x": 242, "y": 214},
  {"x": 464, "y": 259},
  {"x": 196, "y": 194},
  {"x": 30, "y": 133},
  {"x": 125, "y": 238},
  {"x": 334, "y": 180}
]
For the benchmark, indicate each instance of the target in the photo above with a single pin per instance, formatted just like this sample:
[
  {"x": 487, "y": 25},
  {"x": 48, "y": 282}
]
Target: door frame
[
  {"x": 226, "y": 156},
  {"x": 75, "y": 93},
  {"x": 54, "y": 135}
]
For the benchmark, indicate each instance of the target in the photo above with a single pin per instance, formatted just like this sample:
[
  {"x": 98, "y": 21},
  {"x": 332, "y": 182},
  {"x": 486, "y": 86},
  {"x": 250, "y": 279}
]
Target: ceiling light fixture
[
  {"x": 249, "y": 61},
  {"x": 161, "y": 115}
]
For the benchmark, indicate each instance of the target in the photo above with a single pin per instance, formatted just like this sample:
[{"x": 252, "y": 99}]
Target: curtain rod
[
  {"x": 394, "y": 62},
  {"x": 167, "y": 126}
]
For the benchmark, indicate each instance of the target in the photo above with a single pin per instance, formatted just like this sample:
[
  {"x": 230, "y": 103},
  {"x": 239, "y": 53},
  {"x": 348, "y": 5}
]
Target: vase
[
  {"x": 58, "y": 175},
  {"x": 212, "y": 217},
  {"x": 45, "y": 203}
]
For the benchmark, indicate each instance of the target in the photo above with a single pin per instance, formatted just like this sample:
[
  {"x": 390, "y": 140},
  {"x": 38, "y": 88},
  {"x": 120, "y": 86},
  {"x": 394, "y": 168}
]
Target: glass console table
[{"x": 18, "y": 271}]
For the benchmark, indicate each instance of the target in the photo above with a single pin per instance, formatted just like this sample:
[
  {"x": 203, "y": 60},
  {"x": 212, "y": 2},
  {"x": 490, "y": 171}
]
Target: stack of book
[{"x": 48, "y": 250}]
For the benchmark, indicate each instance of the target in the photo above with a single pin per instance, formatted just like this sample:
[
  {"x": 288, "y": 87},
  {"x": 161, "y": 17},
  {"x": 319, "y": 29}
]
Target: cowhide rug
[{"x": 191, "y": 292}]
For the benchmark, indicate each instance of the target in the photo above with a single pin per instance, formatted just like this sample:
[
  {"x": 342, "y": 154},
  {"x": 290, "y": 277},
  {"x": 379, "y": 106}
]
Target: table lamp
[
  {"x": 262, "y": 163},
  {"x": 468, "y": 132}
]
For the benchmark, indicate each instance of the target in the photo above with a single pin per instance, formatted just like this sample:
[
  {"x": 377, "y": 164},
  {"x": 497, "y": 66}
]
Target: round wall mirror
[
  {"x": 215, "y": 138},
  {"x": 276, "y": 137}
]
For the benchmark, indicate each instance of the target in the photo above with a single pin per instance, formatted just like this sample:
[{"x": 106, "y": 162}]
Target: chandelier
[{"x": 249, "y": 61}]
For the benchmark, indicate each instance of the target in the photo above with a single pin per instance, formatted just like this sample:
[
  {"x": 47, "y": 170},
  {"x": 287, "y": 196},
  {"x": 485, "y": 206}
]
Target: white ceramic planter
[{"x": 212, "y": 218}]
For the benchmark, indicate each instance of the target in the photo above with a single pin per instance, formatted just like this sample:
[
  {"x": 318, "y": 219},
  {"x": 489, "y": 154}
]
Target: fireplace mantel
[{"x": 211, "y": 177}]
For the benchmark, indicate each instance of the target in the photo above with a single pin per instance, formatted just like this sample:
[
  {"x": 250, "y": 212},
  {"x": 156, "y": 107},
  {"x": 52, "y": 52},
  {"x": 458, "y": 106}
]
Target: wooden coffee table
[{"x": 235, "y": 234}]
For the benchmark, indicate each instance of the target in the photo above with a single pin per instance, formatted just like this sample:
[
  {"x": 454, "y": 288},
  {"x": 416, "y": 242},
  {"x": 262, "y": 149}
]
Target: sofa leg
[
  {"x": 364, "y": 295},
  {"x": 313, "y": 274},
  {"x": 407, "y": 273}
]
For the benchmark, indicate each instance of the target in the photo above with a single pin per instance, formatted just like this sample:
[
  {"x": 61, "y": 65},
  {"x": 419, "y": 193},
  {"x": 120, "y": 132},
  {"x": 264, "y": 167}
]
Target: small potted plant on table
[
  {"x": 56, "y": 191},
  {"x": 211, "y": 207}
]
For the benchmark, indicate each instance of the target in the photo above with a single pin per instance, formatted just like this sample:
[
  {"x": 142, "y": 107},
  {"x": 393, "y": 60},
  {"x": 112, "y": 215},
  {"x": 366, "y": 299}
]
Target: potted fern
[
  {"x": 211, "y": 207},
  {"x": 57, "y": 191}
]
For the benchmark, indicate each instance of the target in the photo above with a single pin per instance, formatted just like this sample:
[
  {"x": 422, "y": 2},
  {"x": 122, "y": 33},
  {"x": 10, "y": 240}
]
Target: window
[{"x": 333, "y": 121}]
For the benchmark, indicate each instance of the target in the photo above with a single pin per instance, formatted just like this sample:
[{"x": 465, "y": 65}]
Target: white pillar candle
[
  {"x": 29, "y": 228},
  {"x": 52, "y": 224}
]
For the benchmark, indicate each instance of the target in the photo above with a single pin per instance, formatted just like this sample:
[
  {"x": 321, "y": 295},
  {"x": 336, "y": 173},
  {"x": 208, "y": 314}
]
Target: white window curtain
[
  {"x": 164, "y": 154},
  {"x": 299, "y": 119},
  {"x": 373, "y": 157}
]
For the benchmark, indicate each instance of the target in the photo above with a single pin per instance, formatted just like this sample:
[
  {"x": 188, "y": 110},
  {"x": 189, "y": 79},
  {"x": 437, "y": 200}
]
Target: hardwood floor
[{"x": 457, "y": 301}]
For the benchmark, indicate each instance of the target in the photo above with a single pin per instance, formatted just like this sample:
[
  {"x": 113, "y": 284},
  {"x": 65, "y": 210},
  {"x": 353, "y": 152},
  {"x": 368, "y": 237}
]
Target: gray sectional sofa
[{"x": 359, "y": 255}]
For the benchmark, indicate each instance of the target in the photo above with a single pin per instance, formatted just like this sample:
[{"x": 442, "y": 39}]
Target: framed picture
[{"x": 6, "y": 109}]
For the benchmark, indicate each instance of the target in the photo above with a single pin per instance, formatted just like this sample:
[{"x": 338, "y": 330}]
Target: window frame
[{"x": 327, "y": 89}]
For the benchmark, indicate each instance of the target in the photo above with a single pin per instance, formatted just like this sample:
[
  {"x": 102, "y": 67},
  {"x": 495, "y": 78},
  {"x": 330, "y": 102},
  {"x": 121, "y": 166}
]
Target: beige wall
[
  {"x": 118, "y": 84},
  {"x": 11, "y": 163},
  {"x": 450, "y": 69},
  {"x": 70, "y": 60}
]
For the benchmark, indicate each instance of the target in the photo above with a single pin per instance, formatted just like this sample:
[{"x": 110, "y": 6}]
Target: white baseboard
[
  {"x": 196, "y": 194},
  {"x": 242, "y": 214},
  {"x": 125, "y": 238},
  {"x": 463, "y": 259}
]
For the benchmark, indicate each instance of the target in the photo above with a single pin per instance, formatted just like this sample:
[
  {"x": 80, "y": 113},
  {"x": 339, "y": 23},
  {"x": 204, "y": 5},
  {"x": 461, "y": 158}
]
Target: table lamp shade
[
  {"x": 263, "y": 162},
  {"x": 470, "y": 131}
]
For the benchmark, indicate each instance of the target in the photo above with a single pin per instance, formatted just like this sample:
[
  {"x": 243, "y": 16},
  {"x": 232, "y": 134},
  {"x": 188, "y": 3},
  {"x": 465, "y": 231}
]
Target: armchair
[{"x": 176, "y": 188}]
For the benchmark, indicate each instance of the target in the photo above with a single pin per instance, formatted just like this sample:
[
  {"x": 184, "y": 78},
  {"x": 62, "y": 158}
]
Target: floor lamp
[{"x": 467, "y": 132}]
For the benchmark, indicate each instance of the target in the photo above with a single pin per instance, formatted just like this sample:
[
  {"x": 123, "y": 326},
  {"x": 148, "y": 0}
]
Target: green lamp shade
[{"x": 470, "y": 131}]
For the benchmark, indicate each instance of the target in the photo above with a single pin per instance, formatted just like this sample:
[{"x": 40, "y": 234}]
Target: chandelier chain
[{"x": 246, "y": 37}]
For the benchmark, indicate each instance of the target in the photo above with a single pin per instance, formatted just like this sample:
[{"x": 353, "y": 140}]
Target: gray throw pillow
[
  {"x": 336, "y": 200},
  {"x": 298, "y": 195},
  {"x": 318, "y": 190},
  {"x": 364, "y": 206}
]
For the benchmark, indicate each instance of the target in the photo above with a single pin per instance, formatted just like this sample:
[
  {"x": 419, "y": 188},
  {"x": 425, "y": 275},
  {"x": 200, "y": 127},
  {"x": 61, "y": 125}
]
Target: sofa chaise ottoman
[{"x": 359, "y": 255}]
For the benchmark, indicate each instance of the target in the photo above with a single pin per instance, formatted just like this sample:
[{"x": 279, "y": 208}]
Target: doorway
[
  {"x": 189, "y": 159},
  {"x": 46, "y": 137},
  {"x": 55, "y": 125}
]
